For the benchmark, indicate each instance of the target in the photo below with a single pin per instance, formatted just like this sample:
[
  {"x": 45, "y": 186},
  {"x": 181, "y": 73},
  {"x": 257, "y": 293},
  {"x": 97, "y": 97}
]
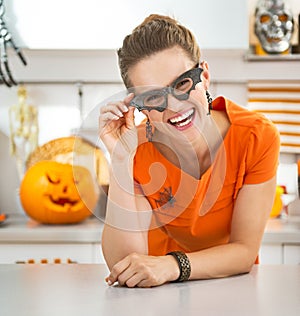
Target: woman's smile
[{"x": 182, "y": 120}]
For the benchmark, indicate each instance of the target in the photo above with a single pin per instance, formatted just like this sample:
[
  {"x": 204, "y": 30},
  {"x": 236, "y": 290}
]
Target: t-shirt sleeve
[{"x": 262, "y": 152}]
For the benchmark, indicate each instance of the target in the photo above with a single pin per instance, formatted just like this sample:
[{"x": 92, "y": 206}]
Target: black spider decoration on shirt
[{"x": 166, "y": 198}]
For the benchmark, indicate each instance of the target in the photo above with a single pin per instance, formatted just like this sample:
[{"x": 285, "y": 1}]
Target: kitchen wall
[{"x": 95, "y": 24}]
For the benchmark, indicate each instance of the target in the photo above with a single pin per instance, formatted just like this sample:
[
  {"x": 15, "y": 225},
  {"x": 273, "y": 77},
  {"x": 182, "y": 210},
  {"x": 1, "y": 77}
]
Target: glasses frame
[{"x": 194, "y": 74}]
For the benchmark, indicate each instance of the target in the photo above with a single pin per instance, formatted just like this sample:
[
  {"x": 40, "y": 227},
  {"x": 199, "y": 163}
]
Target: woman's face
[{"x": 160, "y": 70}]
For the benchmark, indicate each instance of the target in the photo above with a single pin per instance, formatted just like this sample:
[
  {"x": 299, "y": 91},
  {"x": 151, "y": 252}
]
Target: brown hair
[{"x": 154, "y": 34}]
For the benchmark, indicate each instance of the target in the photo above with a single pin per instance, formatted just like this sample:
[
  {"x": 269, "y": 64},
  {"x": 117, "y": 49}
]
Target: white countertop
[
  {"x": 282, "y": 230},
  {"x": 72, "y": 289},
  {"x": 21, "y": 229}
]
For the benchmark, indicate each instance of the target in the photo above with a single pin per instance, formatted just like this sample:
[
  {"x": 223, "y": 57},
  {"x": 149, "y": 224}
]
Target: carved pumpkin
[{"x": 56, "y": 193}]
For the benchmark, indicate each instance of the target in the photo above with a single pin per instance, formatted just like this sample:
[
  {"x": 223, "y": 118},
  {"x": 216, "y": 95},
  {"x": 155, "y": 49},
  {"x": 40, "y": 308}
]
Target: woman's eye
[
  {"x": 154, "y": 99},
  {"x": 183, "y": 85}
]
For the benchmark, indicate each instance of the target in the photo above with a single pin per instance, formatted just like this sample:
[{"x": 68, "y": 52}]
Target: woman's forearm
[
  {"x": 222, "y": 261},
  {"x": 250, "y": 215},
  {"x": 125, "y": 229}
]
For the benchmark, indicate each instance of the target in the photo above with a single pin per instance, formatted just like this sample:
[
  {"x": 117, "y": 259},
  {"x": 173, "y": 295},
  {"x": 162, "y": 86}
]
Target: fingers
[
  {"x": 129, "y": 98},
  {"x": 114, "y": 111},
  {"x": 132, "y": 281},
  {"x": 118, "y": 109},
  {"x": 117, "y": 269},
  {"x": 137, "y": 270},
  {"x": 127, "y": 278},
  {"x": 129, "y": 118},
  {"x": 126, "y": 273}
]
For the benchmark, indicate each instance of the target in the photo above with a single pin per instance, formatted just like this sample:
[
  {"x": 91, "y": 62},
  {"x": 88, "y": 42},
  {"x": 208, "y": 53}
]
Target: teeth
[
  {"x": 184, "y": 123},
  {"x": 182, "y": 118}
]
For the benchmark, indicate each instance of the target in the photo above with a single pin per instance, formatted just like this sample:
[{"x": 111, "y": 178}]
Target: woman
[{"x": 191, "y": 189}]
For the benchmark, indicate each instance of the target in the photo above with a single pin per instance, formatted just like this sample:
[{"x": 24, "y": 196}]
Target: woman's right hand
[{"x": 117, "y": 129}]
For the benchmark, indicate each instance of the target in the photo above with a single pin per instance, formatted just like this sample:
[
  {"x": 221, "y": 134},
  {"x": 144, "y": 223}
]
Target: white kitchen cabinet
[
  {"x": 281, "y": 242},
  {"x": 280, "y": 253},
  {"x": 271, "y": 254},
  {"x": 79, "y": 253},
  {"x": 22, "y": 239},
  {"x": 291, "y": 254}
]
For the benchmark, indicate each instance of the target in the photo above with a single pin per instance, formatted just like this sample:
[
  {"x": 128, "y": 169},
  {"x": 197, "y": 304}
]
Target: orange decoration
[
  {"x": 56, "y": 193},
  {"x": 277, "y": 205}
]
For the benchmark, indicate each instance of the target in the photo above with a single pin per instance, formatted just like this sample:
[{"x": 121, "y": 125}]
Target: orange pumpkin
[{"x": 56, "y": 193}]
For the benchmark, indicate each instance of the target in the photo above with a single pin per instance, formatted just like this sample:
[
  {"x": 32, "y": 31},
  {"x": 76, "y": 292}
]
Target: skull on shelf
[{"x": 274, "y": 26}]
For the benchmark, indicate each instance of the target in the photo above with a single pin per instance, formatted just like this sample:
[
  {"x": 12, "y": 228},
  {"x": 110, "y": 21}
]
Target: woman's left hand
[{"x": 138, "y": 270}]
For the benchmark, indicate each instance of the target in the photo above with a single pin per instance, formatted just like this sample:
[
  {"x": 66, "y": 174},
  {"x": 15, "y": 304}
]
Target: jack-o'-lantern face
[{"x": 57, "y": 193}]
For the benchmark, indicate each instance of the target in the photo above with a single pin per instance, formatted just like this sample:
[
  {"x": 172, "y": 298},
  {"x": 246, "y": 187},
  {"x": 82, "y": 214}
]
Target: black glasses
[{"x": 180, "y": 89}]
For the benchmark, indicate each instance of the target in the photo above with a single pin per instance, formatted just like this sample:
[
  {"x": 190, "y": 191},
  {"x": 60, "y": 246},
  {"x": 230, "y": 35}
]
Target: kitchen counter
[
  {"x": 21, "y": 229},
  {"x": 283, "y": 230},
  {"x": 75, "y": 289},
  {"x": 23, "y": 239}
]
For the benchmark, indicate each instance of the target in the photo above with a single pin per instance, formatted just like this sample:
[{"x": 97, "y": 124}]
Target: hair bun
[{"x": 157, "y": 17}]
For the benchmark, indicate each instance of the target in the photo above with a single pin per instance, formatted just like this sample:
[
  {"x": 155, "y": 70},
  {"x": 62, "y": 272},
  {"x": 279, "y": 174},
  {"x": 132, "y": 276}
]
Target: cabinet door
[
  {"x": 291, "y": 254},
  {"x": 80, "y": 253},
  {"x": 98, "y": 254},
  {"x": 271, "y": 254}
]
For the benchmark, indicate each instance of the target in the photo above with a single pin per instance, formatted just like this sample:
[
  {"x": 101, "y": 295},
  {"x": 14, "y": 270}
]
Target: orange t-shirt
[{"x": 191, "y": 214}]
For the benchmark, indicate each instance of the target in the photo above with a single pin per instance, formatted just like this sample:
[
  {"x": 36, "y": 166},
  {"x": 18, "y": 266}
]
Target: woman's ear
[
  {"x": 205, "y": 76},
  {"x": 204, "y": 65}
]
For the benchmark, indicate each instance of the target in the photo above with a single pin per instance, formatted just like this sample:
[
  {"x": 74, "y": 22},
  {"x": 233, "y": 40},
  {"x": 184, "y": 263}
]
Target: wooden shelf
[{"x": 250, "y": 56}]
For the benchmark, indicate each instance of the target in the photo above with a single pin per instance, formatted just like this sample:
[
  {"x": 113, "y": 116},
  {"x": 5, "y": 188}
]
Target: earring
[
  {"x": 149, "y": 133},
  {"x": 209, "y": 100}
]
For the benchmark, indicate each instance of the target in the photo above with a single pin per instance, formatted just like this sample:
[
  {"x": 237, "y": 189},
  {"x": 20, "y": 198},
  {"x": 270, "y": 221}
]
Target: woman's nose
[{"x": 173, "y": 103}]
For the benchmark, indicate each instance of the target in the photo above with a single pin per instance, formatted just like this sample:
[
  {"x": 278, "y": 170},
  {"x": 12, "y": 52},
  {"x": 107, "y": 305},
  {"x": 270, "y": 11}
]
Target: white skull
[{"x": 274, "y": 25}]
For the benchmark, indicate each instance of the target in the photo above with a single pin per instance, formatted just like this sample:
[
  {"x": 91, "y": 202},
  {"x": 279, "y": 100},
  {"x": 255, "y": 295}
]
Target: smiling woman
[{"x": 191, "y": 188}]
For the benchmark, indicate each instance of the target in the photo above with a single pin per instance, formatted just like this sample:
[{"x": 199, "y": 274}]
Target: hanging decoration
[
  {"x": 6, "y": 39},
  {"x": 23, "y": 123}
]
